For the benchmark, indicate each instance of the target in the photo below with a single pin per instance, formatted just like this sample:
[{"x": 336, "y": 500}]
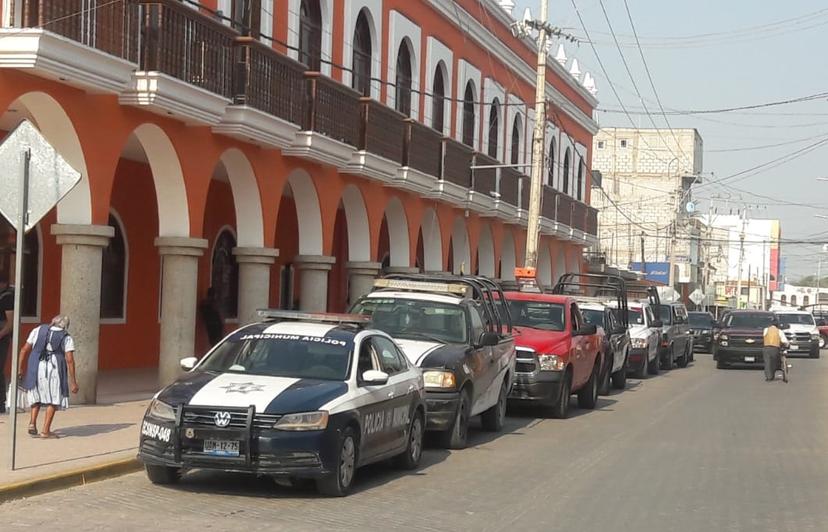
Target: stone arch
[
  {"x": 54, "y": 123},
  {"x": 246, "y": 198},
  {"x": 398, "y": 239},
  {"x": 461, "y": 251},
  {"x": 168, "y": 178},
  {"x": 308, "y": 212},
  {"x": 432, "y": 242},
  {"x": 359, "y": 236},
  {"x": 485, "y": 253},
  {"x": 544, "y": 266},
  {"x": 508, "y": 257}
]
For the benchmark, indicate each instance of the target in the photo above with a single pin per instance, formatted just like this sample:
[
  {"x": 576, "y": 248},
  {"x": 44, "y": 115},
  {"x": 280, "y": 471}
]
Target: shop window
[
  {"x": 114, "y": 273},
  {"x": 468, "y": 115},
  {"x": 403, "y": 81},
  {"x": 361, "y": 79},
  {"x": 31, "y": 265},
  {"x": 224, "y": 279},
  {"x": 310, "y": 34}
]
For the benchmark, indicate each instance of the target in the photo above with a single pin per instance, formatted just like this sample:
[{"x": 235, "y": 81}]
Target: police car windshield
[
  {"x": 537, "y": 314},
  {"x": 594, "y": 317},
  {"x": 282, "y": 355},
  {"x": 796, "y": 319},
  {"x": 416, "y": 319},
  {"x": 635, "y": 316}
]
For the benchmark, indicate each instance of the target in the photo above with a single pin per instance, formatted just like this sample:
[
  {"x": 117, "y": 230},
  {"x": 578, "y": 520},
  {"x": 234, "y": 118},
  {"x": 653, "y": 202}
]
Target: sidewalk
[{"x": 96, "y": 440}]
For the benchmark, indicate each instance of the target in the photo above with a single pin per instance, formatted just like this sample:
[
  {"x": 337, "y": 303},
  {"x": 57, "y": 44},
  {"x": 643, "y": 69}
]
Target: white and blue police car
[{"x": 298, "y": 395}]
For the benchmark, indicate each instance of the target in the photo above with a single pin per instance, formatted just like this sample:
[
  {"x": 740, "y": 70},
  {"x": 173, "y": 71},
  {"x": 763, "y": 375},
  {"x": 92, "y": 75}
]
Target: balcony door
[{"x": 310, "y": 34}]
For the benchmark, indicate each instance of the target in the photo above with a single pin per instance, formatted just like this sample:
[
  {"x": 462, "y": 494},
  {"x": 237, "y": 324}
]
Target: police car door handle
[
  {"x": 411, "y": 388},
  {"x": 391, "y": 394}
]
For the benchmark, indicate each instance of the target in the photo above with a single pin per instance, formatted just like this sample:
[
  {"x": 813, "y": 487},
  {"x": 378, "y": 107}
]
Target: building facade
[
  {"x": 645, "y": 200},
  {"x": 281, "y": 153}
]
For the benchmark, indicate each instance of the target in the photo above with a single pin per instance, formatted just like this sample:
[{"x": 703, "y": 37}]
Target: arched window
[
  {"x": 550, "y": 179},
  {"x": 224, "y": 279},
  {"x": 784, "y": 299},
  {"x": 403, "y": 81},
  {"x": 361, "y": 78},
  {"x": 516, "y": 127},
  {"x": 310, "y": 34},
  {"x": 468, "y": 115},
  {"x": 31, "y": 264},
  {"x": 438, "y": 99},
  {"x": 114, "y": 273},
  {"x": 806, "y": 300},
  {"x": 793, "y": 300},
  {"x": 566, "y": 163},
  {"x": 580, "y": 178},
  {"x": 494, "y": 128}
]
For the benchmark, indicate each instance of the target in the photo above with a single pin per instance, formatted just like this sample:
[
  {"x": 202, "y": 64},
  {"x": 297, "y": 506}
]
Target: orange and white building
[{"x": 283, "y": 152}]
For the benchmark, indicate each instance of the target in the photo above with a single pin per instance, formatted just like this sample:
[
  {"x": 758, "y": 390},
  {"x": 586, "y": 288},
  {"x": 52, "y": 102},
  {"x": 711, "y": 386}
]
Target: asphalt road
[{"x": 692, "y": 449}]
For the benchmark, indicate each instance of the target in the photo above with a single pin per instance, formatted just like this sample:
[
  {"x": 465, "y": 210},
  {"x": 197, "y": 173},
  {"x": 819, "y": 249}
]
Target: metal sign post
[
  {"x": 44, "y": 179},
  {"x": 22, "y": 219}
]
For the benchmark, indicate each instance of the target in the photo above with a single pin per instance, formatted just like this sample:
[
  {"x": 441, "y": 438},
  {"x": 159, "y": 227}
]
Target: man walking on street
[
  {"x": 774, "y": 339},
  {"x": 6, "y": 329}
]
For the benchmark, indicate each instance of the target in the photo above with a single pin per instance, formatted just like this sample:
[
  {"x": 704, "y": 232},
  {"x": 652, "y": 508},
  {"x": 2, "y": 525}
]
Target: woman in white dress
[{"x": 49, "y": 363}]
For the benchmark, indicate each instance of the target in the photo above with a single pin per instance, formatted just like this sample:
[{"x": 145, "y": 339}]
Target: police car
[{"x": 298, "y": 395}]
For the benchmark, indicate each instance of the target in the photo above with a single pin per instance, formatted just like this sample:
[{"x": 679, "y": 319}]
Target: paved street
[{"x": 695, "y": 449}]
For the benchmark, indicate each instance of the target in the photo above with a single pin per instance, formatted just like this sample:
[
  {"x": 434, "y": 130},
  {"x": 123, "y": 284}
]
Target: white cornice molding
[{"x": 485, "y": 38}]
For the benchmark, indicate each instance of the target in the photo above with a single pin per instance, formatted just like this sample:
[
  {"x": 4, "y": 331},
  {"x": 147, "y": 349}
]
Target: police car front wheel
[
  {"x": 162, "y": 474},
  {"x": 338, "y": 483}
]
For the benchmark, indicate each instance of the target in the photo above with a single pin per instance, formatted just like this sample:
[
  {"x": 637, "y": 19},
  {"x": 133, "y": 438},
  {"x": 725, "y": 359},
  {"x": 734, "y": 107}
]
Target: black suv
[
  {"x": 741, "y": 337},
  {"x": 701, "y": 326}
]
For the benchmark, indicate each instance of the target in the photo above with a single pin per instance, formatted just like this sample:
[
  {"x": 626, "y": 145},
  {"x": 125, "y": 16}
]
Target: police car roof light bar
[
  {"x": 422, "y": 286},
  {"x": 317, "y": 317}
]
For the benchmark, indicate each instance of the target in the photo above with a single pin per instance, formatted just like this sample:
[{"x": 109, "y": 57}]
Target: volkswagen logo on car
[{"x": 222, "y": 419}]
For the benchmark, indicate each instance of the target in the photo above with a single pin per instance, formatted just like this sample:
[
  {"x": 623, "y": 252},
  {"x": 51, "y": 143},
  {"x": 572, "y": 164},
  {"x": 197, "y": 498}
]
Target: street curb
[{"x": 68, "y": 479}]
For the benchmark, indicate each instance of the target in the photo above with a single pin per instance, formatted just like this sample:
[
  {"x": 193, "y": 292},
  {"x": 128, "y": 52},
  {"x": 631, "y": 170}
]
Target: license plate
[
  {"x": 221, "y": 447},
  {"x": 794, "y": 348},
  {"x": 750, "y": 359}
]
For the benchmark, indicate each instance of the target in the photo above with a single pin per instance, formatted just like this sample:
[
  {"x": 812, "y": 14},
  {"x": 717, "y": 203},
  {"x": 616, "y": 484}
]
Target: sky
[{"x": 714, "y": 54}]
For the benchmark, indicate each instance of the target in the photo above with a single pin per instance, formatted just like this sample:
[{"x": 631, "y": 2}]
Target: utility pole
[
  {"x": 643, "y": 263},
  {"x": 544, "y": 29},
  {"x": 741, "y": 259},
  {"x": 674, "y": 228}
]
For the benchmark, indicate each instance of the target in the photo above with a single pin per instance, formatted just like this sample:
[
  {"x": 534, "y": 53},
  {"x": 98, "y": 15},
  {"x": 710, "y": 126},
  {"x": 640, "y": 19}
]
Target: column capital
[
  {"x": 314, "y": 262},
  {"x": 255, "y": 255},
  {"x": 366, "y": 267},
  {"x": 82, "y": 234},
  {"x": 180, "y": 245},
  {"x": 402, "y": 269}
]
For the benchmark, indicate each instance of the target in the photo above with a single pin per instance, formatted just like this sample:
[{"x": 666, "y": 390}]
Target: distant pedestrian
[
  {"x": 774, "y": 339},
  {"x": 6, "y": 330},
  {"x": 211, "y": 316},
  {"x": 47, "y": 365}
]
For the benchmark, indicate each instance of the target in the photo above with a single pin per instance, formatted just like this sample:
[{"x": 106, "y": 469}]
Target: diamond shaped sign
[
  {"x": 697, "y": 296},
  {"x": 50, "y": 176}
]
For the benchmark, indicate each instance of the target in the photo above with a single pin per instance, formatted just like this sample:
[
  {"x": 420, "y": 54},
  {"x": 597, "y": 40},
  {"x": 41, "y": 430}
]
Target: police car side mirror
[
  {"x": 373, "y": 377},
  {"x": 489, "y": 339},
  {"x": 188, "y": 363}
]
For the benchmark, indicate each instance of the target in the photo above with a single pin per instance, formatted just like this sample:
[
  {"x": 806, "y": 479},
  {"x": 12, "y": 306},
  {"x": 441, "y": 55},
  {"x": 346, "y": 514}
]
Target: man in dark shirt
[{"x": 6, "y": 326}]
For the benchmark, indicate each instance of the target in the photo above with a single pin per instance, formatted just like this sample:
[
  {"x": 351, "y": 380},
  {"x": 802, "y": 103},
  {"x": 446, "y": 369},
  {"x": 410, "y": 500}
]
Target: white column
[
  {"x": 254, "y": 280},
  {"x": 313, "y": 281},
  {"x": 80, "y": 298},
  {"x": 361, "y": 277},
  {"x": 179, "y": 282}
]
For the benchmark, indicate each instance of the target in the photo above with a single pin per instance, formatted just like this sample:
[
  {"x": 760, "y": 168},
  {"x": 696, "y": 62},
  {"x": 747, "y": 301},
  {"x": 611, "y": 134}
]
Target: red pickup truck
[{"x": 558, "y": 353}]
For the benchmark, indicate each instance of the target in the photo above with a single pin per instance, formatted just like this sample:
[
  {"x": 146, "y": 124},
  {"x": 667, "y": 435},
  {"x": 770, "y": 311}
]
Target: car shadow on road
[
  {"x": 536, "y": 414},
  {"x": 82, "y": 431}
]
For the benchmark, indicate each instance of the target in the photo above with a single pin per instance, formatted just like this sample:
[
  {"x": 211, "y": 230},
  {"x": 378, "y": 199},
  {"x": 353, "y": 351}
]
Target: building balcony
[
  {"x": 455, "y": 178},
  {"x": 380, "y": 146},
  {"x": 509, "y": 188},
  {"x": 483, "y": 192},
  {"x": 423, "y": 162}
]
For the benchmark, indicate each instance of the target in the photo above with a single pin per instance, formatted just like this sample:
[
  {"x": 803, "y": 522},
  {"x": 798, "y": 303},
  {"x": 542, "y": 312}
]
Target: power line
[{"x": 800, "y": 99}]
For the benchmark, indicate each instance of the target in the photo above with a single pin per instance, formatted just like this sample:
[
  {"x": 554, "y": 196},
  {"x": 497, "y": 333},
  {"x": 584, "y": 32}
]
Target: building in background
[
  {"x": 646, "y": 210},
  {"x": 759, "y": 266}
]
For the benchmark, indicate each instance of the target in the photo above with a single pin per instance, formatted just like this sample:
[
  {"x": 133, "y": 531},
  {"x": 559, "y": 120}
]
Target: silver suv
[{"x": 676, "y": 340}]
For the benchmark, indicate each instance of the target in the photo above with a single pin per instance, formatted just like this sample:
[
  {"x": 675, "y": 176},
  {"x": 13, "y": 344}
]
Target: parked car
[
  {"x": 741, "y": 338},
  {"x": 645, "y": 339},
  {"x": 676, "y": 340},
  {"x": 616, "y": 343},
  {"x": 701, "y": 327},
  {"x": 296, "y": 396},
  {"x": 450, "y": 327},
  {"x": 559, "y": 353},
  {"x": 822, "y": 325},
  {"x": 802, "y": 332}
]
